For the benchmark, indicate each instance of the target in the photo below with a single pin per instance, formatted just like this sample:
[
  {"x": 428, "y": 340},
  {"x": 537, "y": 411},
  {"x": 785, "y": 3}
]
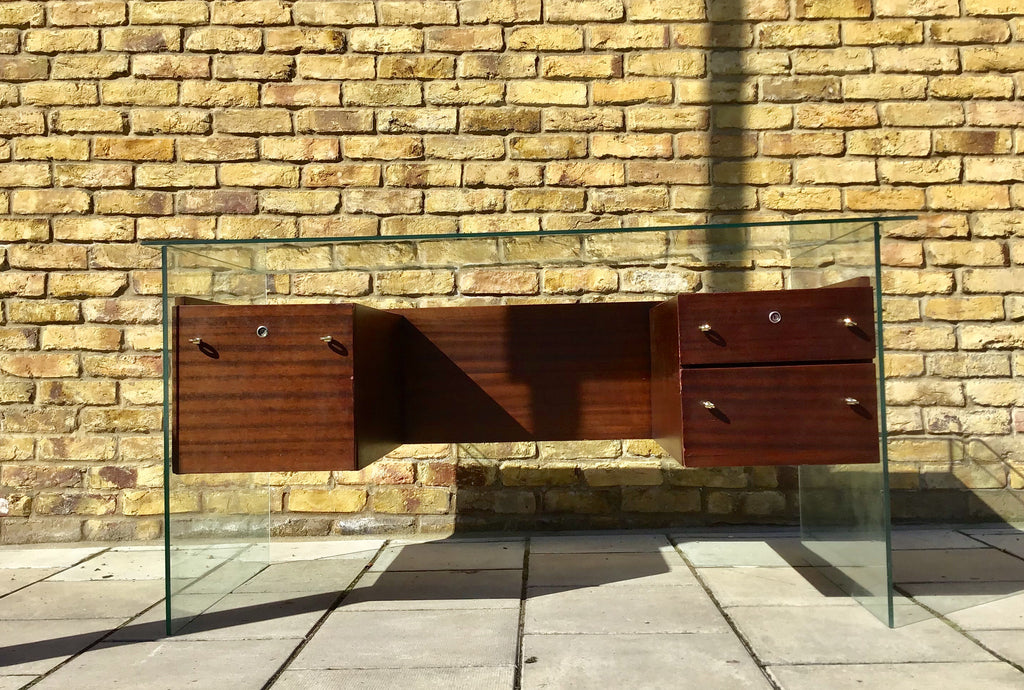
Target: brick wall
[{"x": 121, "y": 122}]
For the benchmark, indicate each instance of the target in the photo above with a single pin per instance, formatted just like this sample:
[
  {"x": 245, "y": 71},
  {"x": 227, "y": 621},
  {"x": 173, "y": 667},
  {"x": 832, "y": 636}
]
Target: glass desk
[{"x": 218, "y": 523}]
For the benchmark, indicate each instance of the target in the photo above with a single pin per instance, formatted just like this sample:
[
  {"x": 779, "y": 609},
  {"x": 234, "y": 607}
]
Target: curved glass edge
[
  {"x": 845, "y": 519},
  {"x": 538, "y": 233},
  {"x": 213, "y": 543},
  {"x": 856, "y": 547}
]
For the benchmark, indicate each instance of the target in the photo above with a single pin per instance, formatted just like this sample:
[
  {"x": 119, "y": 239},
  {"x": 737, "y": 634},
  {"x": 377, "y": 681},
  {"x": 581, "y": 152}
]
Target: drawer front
[
  {"x": 789, "y": 415},
  {"x": 777, "y": 326},
  {"x": 278, "y": 402}
]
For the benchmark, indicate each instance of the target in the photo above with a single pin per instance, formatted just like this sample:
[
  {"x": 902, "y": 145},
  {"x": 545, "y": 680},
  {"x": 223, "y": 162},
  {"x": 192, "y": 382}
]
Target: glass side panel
[
  {"x": 844, "y": 509},
  {"x": 223, "y": 521},
  {"x": 217, "y": 526}
]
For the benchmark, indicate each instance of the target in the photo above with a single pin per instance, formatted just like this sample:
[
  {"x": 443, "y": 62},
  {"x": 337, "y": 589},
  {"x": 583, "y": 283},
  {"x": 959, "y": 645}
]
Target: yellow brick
[
  {"x": 171, "y": 122},
  {"x": 81, "y": 336},
  {"x": 58, "y": 93},
  {"x": 38, "y": 365},
  {"x": 754, "y": 117},
  {"x": 259, "y": 175},
  {"x": 968, "y": 197},
  {"x": 964, "y": 308},
  {"x": 93, "y": 174},
  {"x": 184, "y": 12},
  {"x": 151, "y": 502},
  {"x": 33, "y": 311},
  {"x": 223, "y": 40},
  {"x": 88, "y": 66},
  {"x": 969, "y": 31},
  {"x": 24, "y": 175},
  {"x": 67, "y": 285},
  {"x": 138, "y": 92},
  {"x": 631, "y": 91},
  {"x": 547, "y": 93},
  {"x": 498, "y": 282},
  {"x": 134, "y": 203},
  {"x": 568, "y": 281},
  {"x": 883, "y": 32},
  {"x": 334, "y": 13},
  {"x": 93, "y": 229},
  {"x": 88, "y": 120},
  {"x": 61, "y": 40},
  {"x": 338, "y": 500},
  {"x": 885, "y": 198},
  {"x": 412, "y": 499},
  {"x": 581, "y": 66},
  {"x": 805, "y": 34},
  {"x": 929, "y": 114},
  {"x": 172, "y": 66},
  {"x": 547, "y": 38},
  {"x": 991, "y": 7},
  {"x": 759, "y": 172},
  {"x": 931, "y": 337},
  {"x": 573, "y": 11},
  {"x": 801, "y": 198},
  {"x": 299, "y": 202},
  {"x": 386, "y": 40},
  {"x": 965, "y": 87},
  {"x": 49, "y": 201},
  {"x": 141, "y": 40},
  {"x": 876, "y": 87},
  {"x": 21, "y": 14}
]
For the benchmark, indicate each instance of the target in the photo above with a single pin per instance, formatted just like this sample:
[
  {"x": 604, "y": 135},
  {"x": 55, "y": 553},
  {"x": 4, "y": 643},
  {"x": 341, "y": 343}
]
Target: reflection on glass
[{"x": 218, "y": 526}]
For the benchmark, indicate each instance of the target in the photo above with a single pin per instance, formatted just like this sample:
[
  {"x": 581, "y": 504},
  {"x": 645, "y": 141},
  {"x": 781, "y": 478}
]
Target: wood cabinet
[
  {"x": 766, "y": 378},
  {"x": 283, "y": 387}
]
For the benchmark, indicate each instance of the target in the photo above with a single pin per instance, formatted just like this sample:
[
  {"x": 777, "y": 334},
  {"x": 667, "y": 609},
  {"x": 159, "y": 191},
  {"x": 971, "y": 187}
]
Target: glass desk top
[{"x": 218, "y": 526}]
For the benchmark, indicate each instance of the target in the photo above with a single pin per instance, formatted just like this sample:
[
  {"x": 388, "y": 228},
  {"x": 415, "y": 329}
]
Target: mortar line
[
  {"x": 761, "y": 666},
  {"x": 323, "y": 619}
]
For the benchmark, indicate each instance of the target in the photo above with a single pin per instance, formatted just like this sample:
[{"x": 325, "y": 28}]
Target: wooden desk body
[{"x": 335, "y": 386}]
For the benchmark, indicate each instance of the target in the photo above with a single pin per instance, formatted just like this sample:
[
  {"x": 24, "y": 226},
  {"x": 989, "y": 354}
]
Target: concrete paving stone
[
  {"x": 1011, "y": 543},
  {"x": 412, "y": 639},
  {"x": 974, "y": 605},
  {"x": 995, "y": 528},
  {"x": 436, "y": 589},
  {"x": 210, "y": 664},
  {"x": 333, "y": 575},
  {"x": 618, "y": 569},
  {"x": 601, "y": 610},
  {"x": 844, "y": 635},
  {"x": 15, "y": 682},
  {"x": 484, "y": 555},
  {"x": 262, "y": 616},
  {"x": 1007, "y": 643},
  {"x": 36, "y": 646},
  {"x": 651, "y": 661},
  {"x": 229, "y": 576},
  {"x": 951, "y": 565},
  {"x": 754, "y": 586},
  {"x": 904, "y": 539},
  {"x": 117, "y": 565},
  {"x": 725, "y": 553},
  {"x": 600, "y": 543},
  {"x": 12, "y": 579},
  {"x": 81, "y": 599},
  {"x": 466, "y": 678},
  {"x": 991, "y": 675},
  {"x": 190, "y": 563},
  {"x": 310, "y": 550},
  {"x": 43, "y": 556}
]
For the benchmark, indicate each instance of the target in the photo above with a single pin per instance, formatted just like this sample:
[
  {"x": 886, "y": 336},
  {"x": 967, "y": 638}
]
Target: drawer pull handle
[
  {"x": 707, "y": 404},
  {"x": 327, "y": 338},
  {"x": 196, "y": 341},
  {"x": 852, "y": 402},
  {"x": 849, "y": 323},
  {"x": 704, "y": 327}
]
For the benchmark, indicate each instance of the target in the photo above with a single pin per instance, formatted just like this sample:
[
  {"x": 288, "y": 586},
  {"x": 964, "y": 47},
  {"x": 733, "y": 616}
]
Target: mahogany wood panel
[
  {"x": 810, "y": 326},
  {"x": 666, "y": 395},
  {"x": 779, "y": 415},
  {"x": 527, "y": 372},
  {"x": 288, "y": 401}
]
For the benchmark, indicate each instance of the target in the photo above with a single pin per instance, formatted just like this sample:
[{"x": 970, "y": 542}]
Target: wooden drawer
[
  {"x": 282, "y": 399},
  {"x": 779, "y": 415},
  {"x": 776, "y": 326}
]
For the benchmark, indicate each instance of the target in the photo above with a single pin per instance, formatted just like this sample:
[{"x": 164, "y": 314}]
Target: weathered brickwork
[{"x": 149, "y": 119}]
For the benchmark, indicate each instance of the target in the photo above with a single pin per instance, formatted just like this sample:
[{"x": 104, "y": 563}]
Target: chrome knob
[
  {"x": 327, "y": 338},
  {"x": 196, "y": 341},
  {"x": 851, "y": 401},
  {"x": 849, "y": 323},
  {"x": 704, "y": 327},
  {"x": 707, "y": 404}
]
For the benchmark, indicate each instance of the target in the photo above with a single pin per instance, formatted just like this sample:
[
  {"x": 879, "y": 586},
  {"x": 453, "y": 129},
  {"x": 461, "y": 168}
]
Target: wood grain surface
[{"x": 779, "y": 415}]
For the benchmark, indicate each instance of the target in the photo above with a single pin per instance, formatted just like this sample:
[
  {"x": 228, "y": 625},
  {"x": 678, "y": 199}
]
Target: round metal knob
[
  {"x": 849, "y": 323},
  {"x": 704, "y": 327},
  {"x": 262, "y": 331},
  {"x": 851, "y": 401},
  {"x": 707, "y": 404}
]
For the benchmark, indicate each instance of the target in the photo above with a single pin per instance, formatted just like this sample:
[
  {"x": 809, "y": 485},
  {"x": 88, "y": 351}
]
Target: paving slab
[
  {"x": 1007, "y": 643},
  {"x": 412, "y": 639},
  {"x": 954, "y": 565},
  {"x": 436, "y": 589},
  {"x": 15, "y": 682},
  {"x": 728, "y": 553},
  {"x": 600, "y": 543},
  {"x": 210, "y": 664},
  {"x": 81, "y": 599},
  {"x": 974, "y": 602},
  {"x": 583, "y": 662},
  {"x": 329, "y": 575},
  {"x": 485, "y": 555},
  {"x": 844, "y": 635},
  {"x": 12, "y": 579},
  {"x": 43, "y": 556},
  {"x": 612, "y": 569},
  {"x": 622, "y": 610},
  {"x": 991, "y": 675},
  {"x": 904, "y": 539},
  {"x": 757, "y": 586},
  {"x": 1011, "y": 543},
  {"x": 117, "y": 565},
  {"x": 281, "y": 551},
  {"x": 36, "y": 646},
  {"x": 467, "y": 678}
]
